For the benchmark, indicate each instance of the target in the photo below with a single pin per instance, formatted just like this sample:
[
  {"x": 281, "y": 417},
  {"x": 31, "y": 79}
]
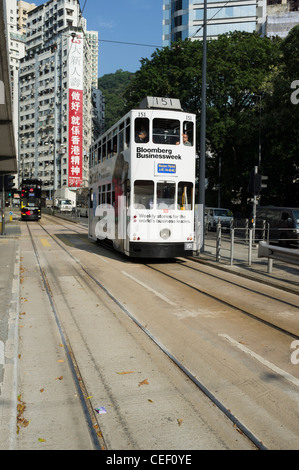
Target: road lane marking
[
  {"x": 1, "y": 353},
  {"x": 161, "y": 296},
  {"x": 45, "y": 242},
  {"x": 270, "y": 365}
]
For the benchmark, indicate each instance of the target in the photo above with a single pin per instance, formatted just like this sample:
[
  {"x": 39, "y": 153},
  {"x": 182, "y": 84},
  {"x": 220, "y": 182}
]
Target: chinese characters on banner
[{"x": 75, "y": 124}]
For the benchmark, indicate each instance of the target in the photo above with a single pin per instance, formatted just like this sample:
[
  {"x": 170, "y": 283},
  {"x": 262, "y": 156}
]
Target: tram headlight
[{"x": 165, "y": 233}]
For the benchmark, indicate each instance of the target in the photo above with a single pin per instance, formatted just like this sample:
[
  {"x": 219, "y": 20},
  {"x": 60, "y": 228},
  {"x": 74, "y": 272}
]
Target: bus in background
[
  {"x": 31, "y": 200},
  {"x": 142, "y": 182}
]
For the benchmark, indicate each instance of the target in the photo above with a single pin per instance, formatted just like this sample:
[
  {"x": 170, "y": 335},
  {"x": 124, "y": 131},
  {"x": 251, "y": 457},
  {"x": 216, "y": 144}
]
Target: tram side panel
[{"x": 107, "y": 200}]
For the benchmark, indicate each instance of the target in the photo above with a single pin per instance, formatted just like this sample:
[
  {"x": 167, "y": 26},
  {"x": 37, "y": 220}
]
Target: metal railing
[
  {"x": 241, "y": 241},
  {"x": 271, "y": 252}
]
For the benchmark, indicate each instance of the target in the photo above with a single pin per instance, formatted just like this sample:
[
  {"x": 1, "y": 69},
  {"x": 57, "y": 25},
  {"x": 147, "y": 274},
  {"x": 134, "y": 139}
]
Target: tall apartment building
[
  {"x": 93, "y": 41},
  {"x": 15, "y": 17},
  {"x": 55, "y": 97},
  {"x": 183, "y": 19}
]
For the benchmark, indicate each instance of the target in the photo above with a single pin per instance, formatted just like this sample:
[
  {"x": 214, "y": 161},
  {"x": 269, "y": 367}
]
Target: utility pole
[
  {"x": 3, "y": 205},
  {"x": 202, "y": 162},
  {"x": 255, "y": 202}
]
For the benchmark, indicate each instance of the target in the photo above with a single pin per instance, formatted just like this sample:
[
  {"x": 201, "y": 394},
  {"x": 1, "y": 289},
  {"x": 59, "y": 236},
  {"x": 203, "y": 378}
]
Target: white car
[{"x": 213, "y": 214}]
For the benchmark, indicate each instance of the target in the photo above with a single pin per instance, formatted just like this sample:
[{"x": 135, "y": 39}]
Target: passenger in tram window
[
  {"x": 185, "y": 140},
  {"x": 141, "y": 136}
]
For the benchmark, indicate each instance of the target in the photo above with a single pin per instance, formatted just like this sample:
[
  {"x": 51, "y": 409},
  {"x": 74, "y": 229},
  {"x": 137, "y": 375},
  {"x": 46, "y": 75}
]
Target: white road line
[
  {"x": 1, "y": 353},
  {"x": 150, "y": 289},
  {"x": 266, "y": 363}
]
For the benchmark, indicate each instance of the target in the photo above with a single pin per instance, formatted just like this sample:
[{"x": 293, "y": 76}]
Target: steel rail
[{"x": 96, "y": 436}]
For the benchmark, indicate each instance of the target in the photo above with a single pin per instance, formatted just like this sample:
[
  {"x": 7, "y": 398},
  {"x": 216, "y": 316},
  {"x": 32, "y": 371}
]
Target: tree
[
  {"x": 238, "y": 69},
  {"x": 113, "y": 87},
  {"x": 171, "y": 72},
  {"x": 281, "y": 138}
]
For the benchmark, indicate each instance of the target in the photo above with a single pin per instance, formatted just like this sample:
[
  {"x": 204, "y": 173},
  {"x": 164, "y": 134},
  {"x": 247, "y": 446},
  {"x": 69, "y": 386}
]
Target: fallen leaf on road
[
  {"x": 123, "y": 373},
  {"x": 59, "y": 378},
  {"x": 21, "y": 407},
  {"x": 144, "y": 382},
  {"x": 180, "y": 421}
]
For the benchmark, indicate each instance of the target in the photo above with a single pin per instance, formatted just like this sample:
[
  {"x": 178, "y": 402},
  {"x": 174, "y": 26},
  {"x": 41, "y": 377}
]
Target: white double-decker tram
[{"x": 142, "y": 181}]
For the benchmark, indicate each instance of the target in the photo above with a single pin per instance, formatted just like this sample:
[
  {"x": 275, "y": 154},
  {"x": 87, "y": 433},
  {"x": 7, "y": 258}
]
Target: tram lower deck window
[
  {"x": 165, "y": 195},
  {"x": 185, "y": 195},
  {"x": 143, "y": 194}
]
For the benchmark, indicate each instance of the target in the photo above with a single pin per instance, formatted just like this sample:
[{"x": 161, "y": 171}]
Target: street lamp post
[{"x": 202, "y": 162}]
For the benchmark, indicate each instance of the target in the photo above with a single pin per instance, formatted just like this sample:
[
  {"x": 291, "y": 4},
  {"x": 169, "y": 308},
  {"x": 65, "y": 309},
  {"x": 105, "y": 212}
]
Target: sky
[{"x": 124, "y": 21}]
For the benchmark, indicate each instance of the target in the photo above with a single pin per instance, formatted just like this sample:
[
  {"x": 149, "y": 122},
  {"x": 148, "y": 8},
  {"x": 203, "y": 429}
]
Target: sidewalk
[
  {"x": 9, "y": 321},
  {"x": 282, "y": 275}
]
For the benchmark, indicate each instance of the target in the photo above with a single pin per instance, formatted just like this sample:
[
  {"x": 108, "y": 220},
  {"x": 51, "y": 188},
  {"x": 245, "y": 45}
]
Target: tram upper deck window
[
  {"x": 128, "y": 133},
  {"x": 104, "y": 149},
  {"x": 143, "y": 194},
  {"x": 188, "y": 129},
  {"x": 141, "y": 130},
  {"x": 99, "y": 154},
  {"x": 166, "y": 131},
  {"x": 121, "y": 137}
]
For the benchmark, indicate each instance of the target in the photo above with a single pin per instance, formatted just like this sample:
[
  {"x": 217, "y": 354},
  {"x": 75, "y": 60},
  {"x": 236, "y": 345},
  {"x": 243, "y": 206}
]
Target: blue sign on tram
[{"x": 166, "y": 168}]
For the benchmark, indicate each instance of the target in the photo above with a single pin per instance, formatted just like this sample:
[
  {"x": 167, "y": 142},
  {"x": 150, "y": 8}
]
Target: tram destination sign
[{"x": 160, "y": 103}]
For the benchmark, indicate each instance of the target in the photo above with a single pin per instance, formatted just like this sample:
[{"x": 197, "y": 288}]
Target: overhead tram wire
[{"x": 130, "y": 43}]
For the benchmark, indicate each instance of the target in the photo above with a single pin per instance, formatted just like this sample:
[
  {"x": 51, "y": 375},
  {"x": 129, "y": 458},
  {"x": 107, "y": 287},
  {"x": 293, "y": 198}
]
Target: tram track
[
  {"x": 237, "y": 424},
  {"x": 232, "y": 305},
  {"x": 96, "y": 435},
  {"x": 200, "y": 386}
]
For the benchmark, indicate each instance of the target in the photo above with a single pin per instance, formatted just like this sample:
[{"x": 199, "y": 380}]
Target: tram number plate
[{"x": 188, "y": 246}]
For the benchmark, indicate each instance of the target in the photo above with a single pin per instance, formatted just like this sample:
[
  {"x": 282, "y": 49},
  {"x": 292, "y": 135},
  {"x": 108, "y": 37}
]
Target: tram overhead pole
[{"x": 202, "y": 161}]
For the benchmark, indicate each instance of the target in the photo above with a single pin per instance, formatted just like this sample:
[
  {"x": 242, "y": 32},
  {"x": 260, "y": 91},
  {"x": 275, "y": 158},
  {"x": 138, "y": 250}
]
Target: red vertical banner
[
  {"x": 75, "y": 115},
  {"x": 75, "y": 137}
]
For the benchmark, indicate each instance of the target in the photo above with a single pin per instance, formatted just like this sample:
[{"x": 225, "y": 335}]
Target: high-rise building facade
[
  {"x": 93, "y": 41},
  {"x": 282, "y": 16},
  {"x": 183, "y": 19},
  {"x": 15, "y": 17},
  {"x": 55, "y": 97}
]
